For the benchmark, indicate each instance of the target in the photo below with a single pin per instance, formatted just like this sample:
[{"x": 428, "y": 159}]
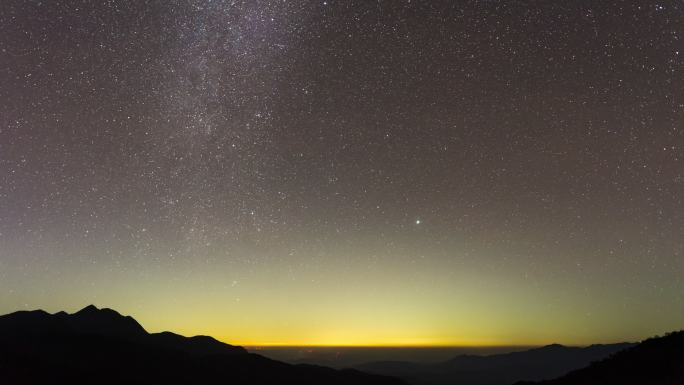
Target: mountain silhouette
[
  {"x": 103, "y": 321},
  {"x": 101, "y": 346},
  {"x": 655, "y": 361},
  {"x": 500, "y": 369}
]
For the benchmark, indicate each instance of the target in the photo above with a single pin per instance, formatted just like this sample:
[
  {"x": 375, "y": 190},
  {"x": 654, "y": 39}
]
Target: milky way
[{"x": 371, "y": 172}]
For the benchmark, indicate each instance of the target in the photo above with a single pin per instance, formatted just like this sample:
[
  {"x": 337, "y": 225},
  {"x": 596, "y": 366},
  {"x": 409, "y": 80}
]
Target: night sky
[{"x": 347, "y": 172}]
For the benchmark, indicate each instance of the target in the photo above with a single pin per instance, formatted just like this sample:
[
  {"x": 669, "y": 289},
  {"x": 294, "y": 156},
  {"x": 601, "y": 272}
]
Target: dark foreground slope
[
  {"x": 656, "y": 361},
  {"x": 100, "y": 346},
  {"x": 500, "y": 369}
]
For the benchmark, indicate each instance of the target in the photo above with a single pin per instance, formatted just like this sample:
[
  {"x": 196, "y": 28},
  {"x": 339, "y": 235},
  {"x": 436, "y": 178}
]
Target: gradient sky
[{"x": 347, "y": 172}]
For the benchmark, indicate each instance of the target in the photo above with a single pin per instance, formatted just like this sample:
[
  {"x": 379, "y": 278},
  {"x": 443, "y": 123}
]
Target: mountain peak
[
  {"x": 90, "y": 319},
  {"x": 88, "y": 309}
]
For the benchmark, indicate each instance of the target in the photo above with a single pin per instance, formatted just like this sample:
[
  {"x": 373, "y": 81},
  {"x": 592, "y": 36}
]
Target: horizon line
[
  {"x": 406, "y": 346},
  {"x": 391, "y": 346}
]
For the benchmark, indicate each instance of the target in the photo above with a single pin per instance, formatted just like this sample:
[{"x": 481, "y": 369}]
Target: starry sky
[{"x": 337, "y": 172}]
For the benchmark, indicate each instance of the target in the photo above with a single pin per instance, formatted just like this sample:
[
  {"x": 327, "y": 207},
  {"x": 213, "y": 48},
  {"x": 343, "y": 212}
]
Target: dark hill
[
  {"x": 100, "y": 346},
  {"x": 656, "y": 361},
  {"x": 499, "y": 369}
]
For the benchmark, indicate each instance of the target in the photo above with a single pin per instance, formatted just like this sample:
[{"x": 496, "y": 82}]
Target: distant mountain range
[
  {"x": 500, "y": 369},
  {"x": 656, "y": 361},
  {"x": 100, "y": 346}
]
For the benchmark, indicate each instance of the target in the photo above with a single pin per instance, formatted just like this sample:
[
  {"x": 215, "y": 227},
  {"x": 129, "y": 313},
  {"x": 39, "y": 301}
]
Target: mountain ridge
[
  {"x": 102, "y": 346},
  {"x": 544, "y": 362},
  {"x": 655, "y": 361}
]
